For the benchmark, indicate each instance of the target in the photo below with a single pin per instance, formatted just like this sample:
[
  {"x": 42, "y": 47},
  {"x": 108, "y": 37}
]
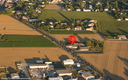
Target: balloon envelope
[{"x": 72, "y": 39}]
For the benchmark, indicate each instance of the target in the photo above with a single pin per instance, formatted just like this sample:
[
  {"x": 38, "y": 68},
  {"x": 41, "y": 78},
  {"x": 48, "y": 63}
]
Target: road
[{"x": 62, "y": 46}]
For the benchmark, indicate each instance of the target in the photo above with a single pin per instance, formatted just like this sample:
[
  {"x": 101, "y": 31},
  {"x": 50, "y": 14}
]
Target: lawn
[
  {"x": 25, "y": 41},
  {"x": 69, "y": 32},
  {"x": 107, "y": 24}
]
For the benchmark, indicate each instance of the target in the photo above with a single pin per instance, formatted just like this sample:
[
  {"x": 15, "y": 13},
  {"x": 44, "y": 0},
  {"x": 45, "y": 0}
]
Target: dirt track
[
  {"x": 114, "y": 61},
  {"x": 14, "y": 27},
  {"x": 10, "y": 55}
]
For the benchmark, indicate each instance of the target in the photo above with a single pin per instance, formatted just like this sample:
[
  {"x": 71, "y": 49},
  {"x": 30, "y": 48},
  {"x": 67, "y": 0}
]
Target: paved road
[{"x": 68, "y": 50}]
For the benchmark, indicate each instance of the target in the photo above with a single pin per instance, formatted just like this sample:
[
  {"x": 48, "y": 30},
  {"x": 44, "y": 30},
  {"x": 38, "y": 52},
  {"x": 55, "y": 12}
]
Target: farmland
[
  {"x": 29, "y": 55},
  {"x": 114, "y": 60},
  {"x": 107, "y": 24},
  {"x": 15, "y": 27},
  {"x": 25, "y": 41}
]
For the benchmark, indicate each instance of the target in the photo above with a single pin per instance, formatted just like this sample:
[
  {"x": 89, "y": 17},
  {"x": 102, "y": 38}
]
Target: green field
[
  {"x": 25, "y": 41},
  {"x": 69, "y": 32},
  {"x": 107, "y": 24}
]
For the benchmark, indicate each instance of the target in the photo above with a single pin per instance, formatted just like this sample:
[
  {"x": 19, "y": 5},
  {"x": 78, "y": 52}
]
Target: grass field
[
  {"x": 69, "y": 32},
  {"x": 25, "y": 41},
  {"x": 107, "y": 24}
]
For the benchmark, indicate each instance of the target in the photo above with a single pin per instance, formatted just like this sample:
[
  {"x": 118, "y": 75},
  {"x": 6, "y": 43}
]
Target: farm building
[
  {"x": 38, "y": 66},
  {"x": 68, "y": 62},
  {"x": 122, "y": 37},
  {"x": 64, "y": 72},
  {"x": 15, "y": 76},
  {"x": 88, "y": 76},
  {"x": 55, "y": 78}
]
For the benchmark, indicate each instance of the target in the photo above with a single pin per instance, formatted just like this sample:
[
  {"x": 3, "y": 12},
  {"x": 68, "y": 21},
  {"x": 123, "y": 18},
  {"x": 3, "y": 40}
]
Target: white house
[
  {"x": 55, "y": 78},
  {"x": 68, "y": 62},
  {"x": 88, "y": 76},
  {"x": 15, "y": 76},
  {"x": 64, "y": 72},
  {"x": 38, "y": 66}
]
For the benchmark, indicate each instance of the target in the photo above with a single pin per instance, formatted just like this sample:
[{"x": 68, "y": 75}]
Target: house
[
  {"x": 68, "y": 62},
  {"x": 51, "y": 26},
  {"x": 106, "y": 9},
  {"x": 78, "y": 9},
  {"x": 89, "y": 29},
  {"x": 68, "y": 29},
  {"x": 38, "y": 66},
  {"x": 98, "y": 3},
  {"x": 69, "y": 9},
  {"x": 55, "y": 78},
  {"x": 15, "y": 76},
  {"x": 97, "y": 10},
  {"x": 93, "y": 21},
  {"x": 72, "y": 46},
  {"x": 51, "y": 23},
  {"x": 122, "y": 37},
  {"x": 63, "y": 23},
  {"x": 126, "y": 19},
  {"x": 77, "y": 28},
  {"x": 119, "y": 19},
  {"x": 83, "y": 48},
  {"x": 32, "y": 20},
  {"x": 42, "y": 5},
  {"x": 91, "y": 25},
  {"x": 86, "y": 10},
  {"x": 64, "y": 72},
  {"x": 88, "y": 76},
  {"x": 25, "y": 18}
]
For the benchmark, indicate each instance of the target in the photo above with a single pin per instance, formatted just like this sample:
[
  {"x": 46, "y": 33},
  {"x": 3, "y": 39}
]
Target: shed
[
  {"x": 15, "y": 76},
  {"x": 65, "y": 72},
  {"x": 122, "y": 37},
  {"x": 88, "y": 76}
]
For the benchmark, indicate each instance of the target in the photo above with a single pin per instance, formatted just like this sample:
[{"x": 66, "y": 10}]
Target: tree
[{"x": 9, "y": 12}]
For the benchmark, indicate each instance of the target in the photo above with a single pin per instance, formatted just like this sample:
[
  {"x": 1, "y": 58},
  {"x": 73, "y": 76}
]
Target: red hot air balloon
[{"x": 72, "y": 39}]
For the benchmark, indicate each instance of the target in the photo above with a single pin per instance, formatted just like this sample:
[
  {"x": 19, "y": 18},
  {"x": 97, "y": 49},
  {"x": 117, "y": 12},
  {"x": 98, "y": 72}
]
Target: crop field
[
  {"x": 29, "y": 55},
  {"x": 69, "y": 32},
  {"x": 113, "y": 62},
  {"x": 107, "y": 24},
  {"x": 8, "y": 25},
  {"x": 25, "y": 41}
]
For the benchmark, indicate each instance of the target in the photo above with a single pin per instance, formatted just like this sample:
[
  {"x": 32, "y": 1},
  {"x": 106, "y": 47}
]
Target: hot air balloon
[{"x": 72, "y": 39}]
